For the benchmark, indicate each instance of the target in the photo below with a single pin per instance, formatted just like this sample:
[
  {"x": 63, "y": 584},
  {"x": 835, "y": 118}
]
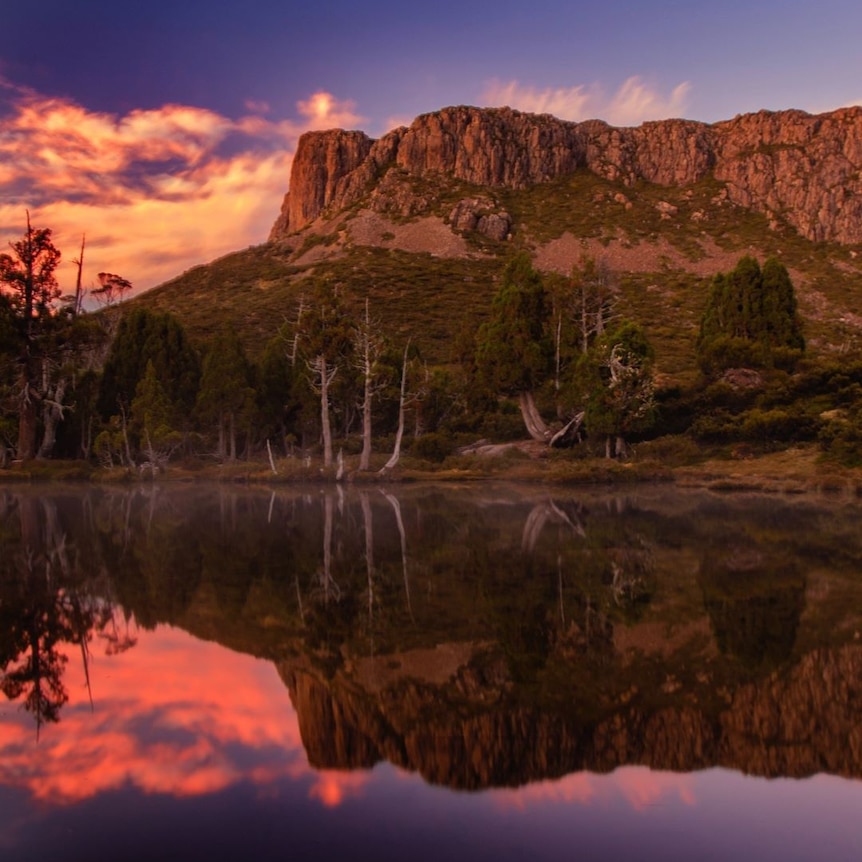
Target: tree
[
  {"x": 152, "y": 418},
  {"x": 28, "y": 275},
  {"x": 226, "y": 391},
  {"x": 145, "y": 336},
  {"x": 111, "y": 286},
  {"x": 621, "y": 398},
  {"x": 324, "y": 344},
  {"x": 593, "y": 290},
  {"x": 278, "y": 401},
  {"x": 513, "y": 350},
  {"x": 368, "y": 350},
  {"x": 750, "y": 318}
]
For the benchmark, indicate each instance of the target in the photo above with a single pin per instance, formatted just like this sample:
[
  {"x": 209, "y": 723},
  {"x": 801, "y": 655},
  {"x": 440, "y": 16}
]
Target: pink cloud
[
  {"x": 156, "y": 191},
  {"x": 634, "y": 102}
]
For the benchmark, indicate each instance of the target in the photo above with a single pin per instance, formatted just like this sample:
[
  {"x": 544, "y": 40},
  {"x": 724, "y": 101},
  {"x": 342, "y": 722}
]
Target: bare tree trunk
[
  {"x": 79, "y": 291},
  {"x": 533, "y": 421},
  {"x": 557, "y": 344},
  {"x": 27, "y": 418},
  {"x": 396, "y": 452},
  {"x": 365, "y": 457},
  {"x": 222, "y": 446},
  {"x": 367, "y": 367},
  {"x": 52, "y": 414},
  {"x": 129, "y": 460},
  {"x": 326, "y": 377}
]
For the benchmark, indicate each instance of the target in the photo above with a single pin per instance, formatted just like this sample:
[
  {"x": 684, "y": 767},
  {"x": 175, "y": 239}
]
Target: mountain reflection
[{"x": 481, "y": 638}]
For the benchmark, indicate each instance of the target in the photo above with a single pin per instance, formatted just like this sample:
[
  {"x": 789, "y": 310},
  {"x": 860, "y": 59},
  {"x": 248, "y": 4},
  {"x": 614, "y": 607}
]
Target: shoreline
[{"x": 797, "y": 470}]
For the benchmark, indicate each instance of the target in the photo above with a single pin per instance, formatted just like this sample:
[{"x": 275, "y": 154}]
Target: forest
[{"x": 123, "y": 386}]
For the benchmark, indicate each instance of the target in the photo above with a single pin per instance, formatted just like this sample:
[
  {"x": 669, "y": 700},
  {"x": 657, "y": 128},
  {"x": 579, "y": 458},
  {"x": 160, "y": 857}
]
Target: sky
[{"x": 164, "y": 130}]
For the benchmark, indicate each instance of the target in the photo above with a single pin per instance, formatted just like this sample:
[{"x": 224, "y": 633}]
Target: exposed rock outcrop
[{"x": 802, "y": 167}]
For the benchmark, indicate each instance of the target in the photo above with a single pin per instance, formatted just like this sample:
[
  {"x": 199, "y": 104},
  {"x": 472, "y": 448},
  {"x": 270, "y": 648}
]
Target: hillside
[{"x": 423, "y": 220}]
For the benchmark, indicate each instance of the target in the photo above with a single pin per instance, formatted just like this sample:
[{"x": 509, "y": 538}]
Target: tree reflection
[
  {"x": 43, "y": 606},
  {"x": 754, "y": 601}
]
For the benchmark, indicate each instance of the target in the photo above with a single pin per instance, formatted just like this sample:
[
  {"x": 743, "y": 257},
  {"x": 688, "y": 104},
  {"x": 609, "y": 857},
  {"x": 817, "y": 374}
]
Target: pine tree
[
  {"x": 142, "y": 337},
  {"x": 28, "y": 274},
  {"x": 226, "y": 394},
  {"x": 617, "y": 373},
  {"x": 750, "y": 318},
  {"x": 514, "y": 352}
]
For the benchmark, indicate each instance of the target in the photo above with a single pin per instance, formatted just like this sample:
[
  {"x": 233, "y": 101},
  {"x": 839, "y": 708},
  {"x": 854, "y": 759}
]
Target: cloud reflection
[
  {"x": 638, "y": 786},
  {"x": 174, "y": 716}
]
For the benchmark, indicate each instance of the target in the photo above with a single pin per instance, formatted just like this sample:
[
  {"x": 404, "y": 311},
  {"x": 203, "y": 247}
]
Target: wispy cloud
[
  {"x": 156, "y": 191},
  {"x": 633, "y": 103}
]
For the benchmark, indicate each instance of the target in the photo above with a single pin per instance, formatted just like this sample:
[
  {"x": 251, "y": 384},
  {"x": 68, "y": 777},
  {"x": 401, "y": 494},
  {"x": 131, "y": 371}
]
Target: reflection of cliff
[
  {"x": 496, "y": 636},
  {"x": 792, "y": 724}
]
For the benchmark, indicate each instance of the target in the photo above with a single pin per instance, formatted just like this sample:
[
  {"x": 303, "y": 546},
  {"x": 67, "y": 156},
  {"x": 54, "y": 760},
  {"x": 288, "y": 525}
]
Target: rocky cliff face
[{"x": 803, "y": 168}]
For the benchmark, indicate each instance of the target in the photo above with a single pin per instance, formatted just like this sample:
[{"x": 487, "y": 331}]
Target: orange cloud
[
  {"x": 155, "y": 191},
  {"x": 633, "y": 103}
]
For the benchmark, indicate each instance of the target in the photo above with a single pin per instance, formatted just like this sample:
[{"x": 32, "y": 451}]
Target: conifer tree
[
  {"x": 144, "y": 336},
  {"x": 619, "y": 381},
  {"x": 750, "y": 318},
  {"x": 28, "y": 275},
  {"x": 514, "y": 352},
  {"x": 226, "y": 394}
]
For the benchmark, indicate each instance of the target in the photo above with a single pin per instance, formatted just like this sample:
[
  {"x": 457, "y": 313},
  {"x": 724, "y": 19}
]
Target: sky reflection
[
  {"x": 190, "y": 740},
  {"x": 173, "y": 715}
]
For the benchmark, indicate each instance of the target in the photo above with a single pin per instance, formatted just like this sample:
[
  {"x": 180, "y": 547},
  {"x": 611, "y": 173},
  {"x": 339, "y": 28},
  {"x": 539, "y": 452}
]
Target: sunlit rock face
[{"x": 805, "y": 168}]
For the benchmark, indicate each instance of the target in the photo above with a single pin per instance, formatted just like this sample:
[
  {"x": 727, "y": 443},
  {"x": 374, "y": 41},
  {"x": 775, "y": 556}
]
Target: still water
[{"x": 429, "y": 673}]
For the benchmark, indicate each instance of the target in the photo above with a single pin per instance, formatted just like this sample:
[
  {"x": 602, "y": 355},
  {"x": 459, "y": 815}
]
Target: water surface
[{"x": 488, "y": 672}]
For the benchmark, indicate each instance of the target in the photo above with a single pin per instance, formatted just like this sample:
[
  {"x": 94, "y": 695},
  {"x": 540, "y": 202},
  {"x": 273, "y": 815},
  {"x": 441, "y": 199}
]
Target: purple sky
[{"x": 164, "y": 130}]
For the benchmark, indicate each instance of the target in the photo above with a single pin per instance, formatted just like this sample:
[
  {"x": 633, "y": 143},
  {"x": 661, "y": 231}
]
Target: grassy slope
[{"x": 431, "y": 298}]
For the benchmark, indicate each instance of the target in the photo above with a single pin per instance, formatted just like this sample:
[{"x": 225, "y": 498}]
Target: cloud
[
  {"x": 323, "y": 111},
  {"x": 633, "y": 103},
  {"x": 155, "y": 191}
]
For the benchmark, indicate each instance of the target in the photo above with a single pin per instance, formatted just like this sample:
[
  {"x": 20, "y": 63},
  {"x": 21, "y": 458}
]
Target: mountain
[
  {"x": 422, "y": 220},
  {"x": 788, "y": 164}
]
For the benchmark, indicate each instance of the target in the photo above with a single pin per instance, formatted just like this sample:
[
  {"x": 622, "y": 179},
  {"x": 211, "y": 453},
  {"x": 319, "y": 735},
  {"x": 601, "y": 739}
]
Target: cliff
[{"x": 796, "y": 166}]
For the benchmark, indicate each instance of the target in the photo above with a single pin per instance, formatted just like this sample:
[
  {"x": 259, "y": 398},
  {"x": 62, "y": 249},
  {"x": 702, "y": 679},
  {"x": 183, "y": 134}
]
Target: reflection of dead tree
[
  {"x": 370, "y": 568},
  {"x": 117, "y": 642},
  {"x": 326, "y": 585},
  {"x": 369, "y": 551},
  {"x": 547, "y": 512},
  {"x": 631, "y": 569},
  {"x": 396, "y": 507}
]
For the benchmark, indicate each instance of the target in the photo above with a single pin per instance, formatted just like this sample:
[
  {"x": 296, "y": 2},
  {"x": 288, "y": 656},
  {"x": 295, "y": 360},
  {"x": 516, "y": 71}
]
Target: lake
[{"x": 428, "y": 672}]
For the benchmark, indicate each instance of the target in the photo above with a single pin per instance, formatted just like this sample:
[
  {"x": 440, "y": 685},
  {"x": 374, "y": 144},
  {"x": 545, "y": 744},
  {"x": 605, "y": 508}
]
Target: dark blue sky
[{"x": 393, "y": 58}]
